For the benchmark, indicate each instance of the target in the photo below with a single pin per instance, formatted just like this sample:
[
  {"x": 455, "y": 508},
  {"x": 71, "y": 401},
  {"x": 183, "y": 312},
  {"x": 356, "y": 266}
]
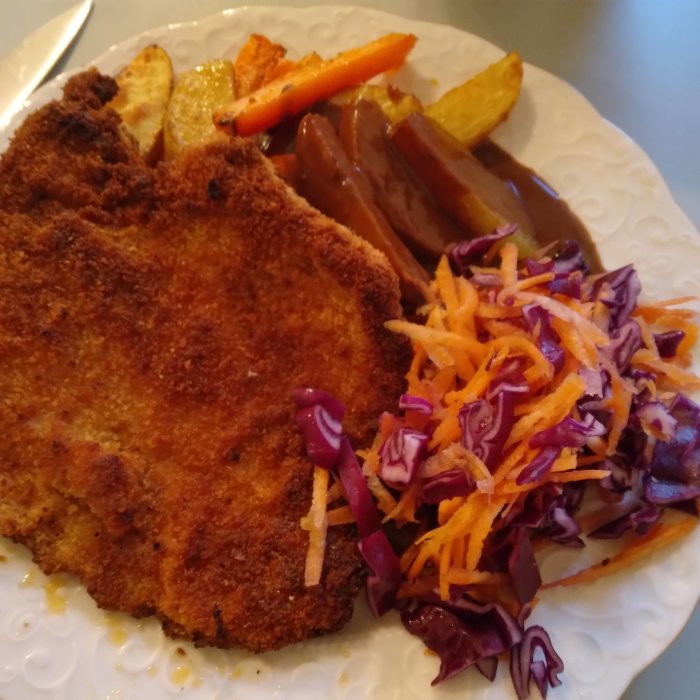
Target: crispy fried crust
[{"x": 152, "y": 326}]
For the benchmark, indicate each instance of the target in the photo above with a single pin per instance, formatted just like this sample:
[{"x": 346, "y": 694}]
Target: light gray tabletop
[{"x": 635, "y": 60}]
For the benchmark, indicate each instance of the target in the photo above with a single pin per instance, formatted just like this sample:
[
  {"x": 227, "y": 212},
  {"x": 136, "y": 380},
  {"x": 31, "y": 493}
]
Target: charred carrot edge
[
  {"x": 660, "y": 536},
  {"x": 301, "y": 88}
]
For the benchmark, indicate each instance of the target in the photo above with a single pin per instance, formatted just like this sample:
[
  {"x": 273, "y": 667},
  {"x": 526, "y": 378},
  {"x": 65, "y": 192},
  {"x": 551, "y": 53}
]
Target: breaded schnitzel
[{"x": 153, "y": 323}]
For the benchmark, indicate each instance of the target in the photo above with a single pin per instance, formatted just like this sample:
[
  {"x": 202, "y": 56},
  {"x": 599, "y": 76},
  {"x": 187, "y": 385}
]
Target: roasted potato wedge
[
  {"x": 476, "y": 198},
  {"x": 144, "y": 90},
  {"x": 395, "y": 104},
  {"x": 198, "y": 93},
  {"x": 472, "y": 110}
]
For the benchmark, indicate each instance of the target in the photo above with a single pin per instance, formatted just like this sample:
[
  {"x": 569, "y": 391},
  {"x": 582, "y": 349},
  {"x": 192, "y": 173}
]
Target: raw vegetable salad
[{"x": 543, "y": 405}]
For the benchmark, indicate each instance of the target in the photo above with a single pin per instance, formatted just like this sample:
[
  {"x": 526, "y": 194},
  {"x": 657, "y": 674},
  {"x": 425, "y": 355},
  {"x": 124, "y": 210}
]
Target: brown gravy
[{"x": 551, "y": 216}]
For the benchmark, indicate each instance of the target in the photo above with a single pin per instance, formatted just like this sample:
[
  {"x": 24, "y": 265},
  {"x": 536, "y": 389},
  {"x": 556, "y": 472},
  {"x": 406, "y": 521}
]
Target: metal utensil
[{"x": 27, "y": 65}]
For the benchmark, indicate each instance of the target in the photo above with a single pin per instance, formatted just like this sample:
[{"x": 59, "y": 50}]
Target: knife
[{"x": 27, "y": 65}]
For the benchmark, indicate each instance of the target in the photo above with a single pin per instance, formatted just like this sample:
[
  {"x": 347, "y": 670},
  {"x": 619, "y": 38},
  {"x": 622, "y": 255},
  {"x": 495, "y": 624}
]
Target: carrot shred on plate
[{"x": 661, "y": 535}]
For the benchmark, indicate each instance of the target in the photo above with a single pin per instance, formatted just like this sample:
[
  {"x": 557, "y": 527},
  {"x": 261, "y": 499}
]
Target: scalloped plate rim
[{"x": 50, "y": 90}]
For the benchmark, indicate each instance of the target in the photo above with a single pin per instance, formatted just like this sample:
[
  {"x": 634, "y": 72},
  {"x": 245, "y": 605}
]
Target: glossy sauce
[{"x": 551, "y": 216}]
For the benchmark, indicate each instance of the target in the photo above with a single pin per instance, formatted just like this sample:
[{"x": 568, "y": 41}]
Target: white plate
[{"x": 606, "y": 632}]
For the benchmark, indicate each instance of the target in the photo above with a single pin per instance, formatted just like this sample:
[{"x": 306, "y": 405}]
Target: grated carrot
[
  {"x": 316, "y": 523},
  {"x": 405, "y": 509},
  {"x": 549, "y": 410},
  {"x": 340, "y": 516},
  {"x": 619, "y": 403},
  {"x": 645, "y": 359},
  {"x": 661, "y": 535},
  {"x": 480, "y": 531},
  {"x": 469, "y": 337},
  {"x": 509, "y": 264}
]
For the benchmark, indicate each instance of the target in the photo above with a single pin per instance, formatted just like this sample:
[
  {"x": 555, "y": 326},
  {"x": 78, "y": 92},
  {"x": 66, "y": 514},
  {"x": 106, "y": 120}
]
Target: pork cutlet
[{"x": 153, "y": 323}]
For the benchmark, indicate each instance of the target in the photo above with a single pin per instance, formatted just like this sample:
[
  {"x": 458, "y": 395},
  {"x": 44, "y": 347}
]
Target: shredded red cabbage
[
  {"x": 486, "y": 279},
  {"x": 525, "y": 668},
  {"x": 639, "y": 519},
  {"x": 569, "y": 258},
  {"x": 468, "y": 252},
  {"x": 570, "y": 285},
  {"x": 678, "y": 459},
  {"x": 462, "y": 633},
  {"x": 625, "y": 286},
  {"x": 415, "y": 403},
  {"x": 596, "y": 382},
  {"x": 356, "y": 490},
  {"x": 539, "y": 466},
  {"x": 319, "y": 419},
  {"x": 563, "y": 527},
  {"x": 304, "y": 397},
  {"x": 667, "y": 343},
  {"x": 569, "y": 433},
  {"x": 485, "y": 426},
  {"x": 449, "y": 484},
  {"x": 537, "y": 267},
  {"x": 657, "y": 416},
  {"x": 522, "y": 567},
  {"x": 547, "y": 339},
  {"x": 321, "y": 433},
  {"x": 624, "y": 342},
  {"x": 384, "y": 579},
  {"x": 666, "y": 492},
  {"x": 401, "y": 454}
]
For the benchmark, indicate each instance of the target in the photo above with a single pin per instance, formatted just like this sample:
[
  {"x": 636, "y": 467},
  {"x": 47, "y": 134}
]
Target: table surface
[{"x": 635, "y": 61}]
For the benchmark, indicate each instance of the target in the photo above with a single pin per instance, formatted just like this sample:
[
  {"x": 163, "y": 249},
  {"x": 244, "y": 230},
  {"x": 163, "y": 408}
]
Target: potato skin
[
  {"x": 471, "y": 111},
  {"x": 198, "y": 93},
  {"x": 145, "y": 85}
]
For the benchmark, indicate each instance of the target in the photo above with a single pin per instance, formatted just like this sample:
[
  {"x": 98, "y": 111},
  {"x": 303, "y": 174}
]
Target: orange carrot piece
[
  {"x": 296, "y": 91},
  {"x": 682, "y": 379},
  {"x": 405, "y": 509},
  {"x": 285, "y": 166},
  {"x": 285, "y": 66},
  {"x": 316, "y": 524},
  {"x": 509, "y": 264},
  {"x": 660, "y": 536},
  {"x": 549, "y": 410},
  {"x": 462, "y": 577},
  {"x": 438, "y": 344},
  {"x": 445, "y": 560},
  {"x": 480, "y": 530},
  {"x": 423, "y": 586},
  {"x": 620, "y": 402},
  {"x": 340, "y": 516},
  {"x": 256, "y": 59},
  {"x": 579, "y": 475},
  {"x": 448, "y": 507}
]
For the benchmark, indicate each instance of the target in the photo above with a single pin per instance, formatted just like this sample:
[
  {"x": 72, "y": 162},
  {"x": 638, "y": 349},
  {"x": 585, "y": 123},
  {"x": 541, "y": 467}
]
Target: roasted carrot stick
[{"x": 301, "y": 88}]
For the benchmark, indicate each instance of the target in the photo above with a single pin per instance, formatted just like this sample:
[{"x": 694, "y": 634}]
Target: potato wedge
[
  {"x": 472, "y": 110},
  {"x": 476, "y": 198},
  {"x": 144, "y": 90},
  {"x": 395, "y": 104},
  {"x": 198, "y": 93}
]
